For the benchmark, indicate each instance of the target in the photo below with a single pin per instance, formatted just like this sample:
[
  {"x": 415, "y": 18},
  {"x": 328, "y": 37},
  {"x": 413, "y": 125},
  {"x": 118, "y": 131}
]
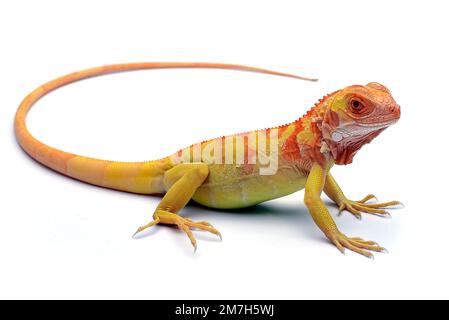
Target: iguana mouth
[
  {"x": 381, "y": 121},
  {"x": 378, "y": 125}
]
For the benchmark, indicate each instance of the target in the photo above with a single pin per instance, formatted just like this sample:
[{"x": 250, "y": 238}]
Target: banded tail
[{"x": 137, "y": 177}]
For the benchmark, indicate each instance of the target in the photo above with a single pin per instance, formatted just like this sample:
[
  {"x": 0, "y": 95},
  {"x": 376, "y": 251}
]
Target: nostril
[
  {"x": 394, "y": 108},
  {"x": 398, "y": 111}
]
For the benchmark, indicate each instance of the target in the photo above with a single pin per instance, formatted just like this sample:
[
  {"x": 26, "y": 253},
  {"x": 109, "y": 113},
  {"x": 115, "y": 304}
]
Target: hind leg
[{"x": 181, "y": 183}]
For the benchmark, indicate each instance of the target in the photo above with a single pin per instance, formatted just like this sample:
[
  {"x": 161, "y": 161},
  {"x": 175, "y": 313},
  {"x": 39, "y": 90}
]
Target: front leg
[
  {"x": 333, "y": 191},
  {"x": 320, "y": 214}
]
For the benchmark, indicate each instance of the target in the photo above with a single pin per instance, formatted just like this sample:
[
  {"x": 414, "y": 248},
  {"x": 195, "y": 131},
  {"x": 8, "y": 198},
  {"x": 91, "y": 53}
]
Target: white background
[{"x": 60, "y": 238}]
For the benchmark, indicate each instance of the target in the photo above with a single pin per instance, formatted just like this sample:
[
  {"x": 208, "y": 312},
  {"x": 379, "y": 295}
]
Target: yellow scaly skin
[{"x": 304, "y": 151}]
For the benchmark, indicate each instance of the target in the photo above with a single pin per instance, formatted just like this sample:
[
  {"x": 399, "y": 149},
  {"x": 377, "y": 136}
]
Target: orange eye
[{"x": 356, "y": 106}]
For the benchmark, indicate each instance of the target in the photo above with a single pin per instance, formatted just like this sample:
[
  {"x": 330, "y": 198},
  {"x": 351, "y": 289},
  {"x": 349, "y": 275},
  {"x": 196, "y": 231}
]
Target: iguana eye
[{"x": 356, "y": 106}]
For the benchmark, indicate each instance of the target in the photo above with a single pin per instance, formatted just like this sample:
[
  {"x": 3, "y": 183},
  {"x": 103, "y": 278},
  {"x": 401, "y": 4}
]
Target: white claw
[
  {"x": 135, "y": 233},
  {"x": 385, "y": 215},
  {"x": 340, "y": 210}
]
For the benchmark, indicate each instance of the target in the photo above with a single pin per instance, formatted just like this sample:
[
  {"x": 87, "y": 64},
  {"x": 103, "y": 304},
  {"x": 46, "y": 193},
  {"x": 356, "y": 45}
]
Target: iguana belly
[{"x": 230, "y": 187}]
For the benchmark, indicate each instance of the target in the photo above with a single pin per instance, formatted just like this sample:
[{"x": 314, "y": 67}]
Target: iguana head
[{"x": 356, "y": 115}]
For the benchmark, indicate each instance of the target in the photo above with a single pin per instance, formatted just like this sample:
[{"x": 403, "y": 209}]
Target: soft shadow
[{"x": 278, "y": 215}]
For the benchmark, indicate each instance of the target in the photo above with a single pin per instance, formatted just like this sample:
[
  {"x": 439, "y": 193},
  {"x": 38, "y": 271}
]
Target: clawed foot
[
  {"x": 357, "y": 207},
  {"x": 357, "y": 245},
  {"x": 184, "y": 224}
]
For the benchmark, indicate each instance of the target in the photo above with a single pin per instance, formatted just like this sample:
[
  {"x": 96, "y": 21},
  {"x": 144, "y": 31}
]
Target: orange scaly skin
[{"x": 244, "y": 169}]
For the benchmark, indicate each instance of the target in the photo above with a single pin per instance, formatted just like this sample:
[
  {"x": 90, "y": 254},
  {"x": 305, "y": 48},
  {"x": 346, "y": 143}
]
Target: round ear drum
[{"x": 378, "y": 86}]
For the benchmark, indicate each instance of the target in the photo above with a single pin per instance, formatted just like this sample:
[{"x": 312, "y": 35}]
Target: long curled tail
[{"x": 138, "y": 177}]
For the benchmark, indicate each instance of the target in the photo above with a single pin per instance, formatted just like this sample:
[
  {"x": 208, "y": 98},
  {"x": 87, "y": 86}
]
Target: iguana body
[{"x": 244, "y": 169}]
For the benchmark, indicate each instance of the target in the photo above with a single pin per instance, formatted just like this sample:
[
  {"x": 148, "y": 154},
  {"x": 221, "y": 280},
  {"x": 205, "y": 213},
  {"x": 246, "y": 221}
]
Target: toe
[
  {"x": 366, "y": 245},
  {"x": 384, "y": 204},
  {"x": 368, "y": 197},
  {"x": 204, "y": 226},
  {"x": 358, "y": 245},
  {"x": 152, "y": 223},
  {"x": 189, "y": 233},
  {"x": 356, "y": 249},
  {"x": 355, "y": 212}
]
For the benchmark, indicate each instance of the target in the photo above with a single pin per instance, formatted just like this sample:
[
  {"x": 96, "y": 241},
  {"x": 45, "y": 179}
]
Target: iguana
[{"x": 244, "y": 169}]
